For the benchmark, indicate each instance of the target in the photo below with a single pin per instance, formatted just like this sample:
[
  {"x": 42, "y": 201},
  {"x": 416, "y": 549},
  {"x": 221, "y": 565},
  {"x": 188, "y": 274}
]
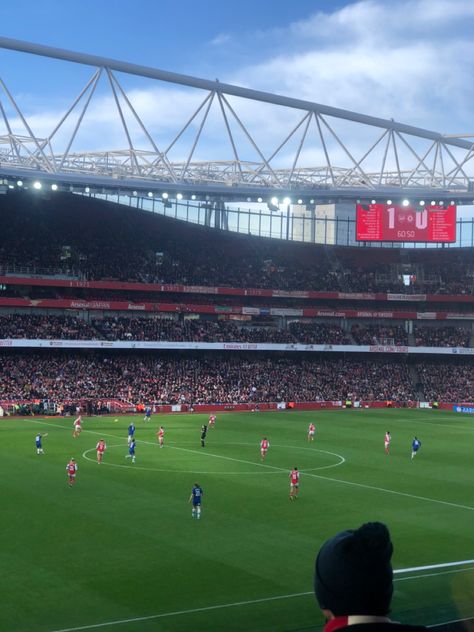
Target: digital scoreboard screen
[{"x": 391, "y": 222}]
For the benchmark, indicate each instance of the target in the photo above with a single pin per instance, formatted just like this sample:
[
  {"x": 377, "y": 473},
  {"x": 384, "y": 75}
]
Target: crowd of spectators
[
  {"x": 112, "y": 328},
  {"x": 379, "y": 334},
  {"x": 446, "y": 382},
  {"x": 442, "y": 336},
  {"x": 42, "y": 326},
  {"x": 91, "y": 239},
  {"x": 208, "y": 380}
]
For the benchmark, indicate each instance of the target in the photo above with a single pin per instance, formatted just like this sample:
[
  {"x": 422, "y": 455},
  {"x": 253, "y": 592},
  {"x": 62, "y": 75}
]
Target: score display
[{"x": 391, "y": 222}]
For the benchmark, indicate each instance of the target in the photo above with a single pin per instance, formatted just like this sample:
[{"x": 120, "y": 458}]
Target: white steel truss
[{"x": 393, "y": 157}]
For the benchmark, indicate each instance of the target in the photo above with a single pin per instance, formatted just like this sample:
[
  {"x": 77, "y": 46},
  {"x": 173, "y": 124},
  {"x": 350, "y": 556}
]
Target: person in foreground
[{"x": 353, "y": 581}]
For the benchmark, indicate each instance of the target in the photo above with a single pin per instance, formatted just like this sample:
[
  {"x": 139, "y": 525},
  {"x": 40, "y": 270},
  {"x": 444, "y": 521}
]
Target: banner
[{"x": 228, "y": 346}]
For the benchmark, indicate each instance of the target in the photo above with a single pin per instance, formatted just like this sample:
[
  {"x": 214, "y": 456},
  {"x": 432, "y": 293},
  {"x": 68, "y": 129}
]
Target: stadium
[{"x": 142, "y": 287}]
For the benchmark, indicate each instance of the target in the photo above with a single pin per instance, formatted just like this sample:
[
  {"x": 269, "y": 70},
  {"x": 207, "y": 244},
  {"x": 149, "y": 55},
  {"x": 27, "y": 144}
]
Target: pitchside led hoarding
[{"x": 391, "y": 222}]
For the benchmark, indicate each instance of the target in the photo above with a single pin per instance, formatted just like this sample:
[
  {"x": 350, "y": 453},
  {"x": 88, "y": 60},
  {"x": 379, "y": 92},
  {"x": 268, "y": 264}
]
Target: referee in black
[{"x": 203, "y": 435}]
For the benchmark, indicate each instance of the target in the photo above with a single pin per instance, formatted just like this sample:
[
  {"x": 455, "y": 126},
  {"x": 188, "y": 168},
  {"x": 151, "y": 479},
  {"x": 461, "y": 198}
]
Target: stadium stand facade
[{"x": 183, "y": 315}]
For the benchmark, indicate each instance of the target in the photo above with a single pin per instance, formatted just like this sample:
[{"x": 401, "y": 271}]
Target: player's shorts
[
  {"x": 294, "y": 485},
  {"x": 264, "y": 451},
  {"x": 196, "y": 503},
  {"x": 72, "y": 475},
  {"x": 77, "y": 428},
  {"x": 311, "y": 433},
  {"x": 387, "y": 444}
]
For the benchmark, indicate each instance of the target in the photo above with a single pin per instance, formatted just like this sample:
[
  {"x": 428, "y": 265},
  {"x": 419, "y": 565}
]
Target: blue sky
[{"x": 411, "y": 60}]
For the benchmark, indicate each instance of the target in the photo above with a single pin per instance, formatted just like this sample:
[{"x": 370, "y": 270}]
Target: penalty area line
[{"x": 264, "y": 599}]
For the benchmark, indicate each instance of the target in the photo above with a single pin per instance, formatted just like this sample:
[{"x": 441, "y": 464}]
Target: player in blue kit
[
  {"x": 131, "y": 450},
  {"x": 131, "y": 432},
  {"x": 39, "y": 442},
  {"x": 415, "y": 446},
  {"x": 147, "y": 413},
  {"x": 195, "y": 498}
]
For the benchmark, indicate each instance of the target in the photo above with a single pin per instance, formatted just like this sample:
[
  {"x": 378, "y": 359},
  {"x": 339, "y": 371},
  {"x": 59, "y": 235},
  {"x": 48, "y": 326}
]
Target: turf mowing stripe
[
  {"x": 280, "y": 469},
  {"x": 255, "y": 601}
]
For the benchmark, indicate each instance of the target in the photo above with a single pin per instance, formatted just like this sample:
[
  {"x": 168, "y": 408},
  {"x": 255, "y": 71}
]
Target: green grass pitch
[{"x": 121, "y": 547}]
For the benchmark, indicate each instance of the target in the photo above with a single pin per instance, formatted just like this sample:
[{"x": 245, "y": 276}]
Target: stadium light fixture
[
  {"x": 193, "y": 197},
  {"x": 37, "y": 185},
  {"x": 433, "y": 203},
  {"x": 249, "y": 199},
  {"x": 300, "y": 201},
  {"x": 135, "y": 193},
  {"x": 452, "y": 202},
  {"x": 287, "y": 201},
  {"x": 54, "y": 187},
  {"x": 164, "y": 196},
  {"x": 87, "y": 190},
  {"x": 274, "y": 201},
  {"x": 150, "y": 194},
  {"x": 389, "y": 201},
  {"x": 19, "y": 183},
  {"x": 405, "y": 202},
  {"x": 422, "y": 202},
  {"x": 11, "y": 186},
  {"x": 311, "y": 201},
  {"x": 373, "y": 202},
  {"x": 179, "y": 196},
  {"x": 259, "y": 199}
]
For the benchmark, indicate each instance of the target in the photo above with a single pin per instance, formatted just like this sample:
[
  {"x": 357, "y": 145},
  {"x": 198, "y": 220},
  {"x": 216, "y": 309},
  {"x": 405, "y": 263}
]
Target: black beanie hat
[{"x": 353, "y": 574}]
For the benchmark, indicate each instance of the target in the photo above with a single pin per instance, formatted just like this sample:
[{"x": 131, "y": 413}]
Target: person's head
[{"x": 353, "y": 572}]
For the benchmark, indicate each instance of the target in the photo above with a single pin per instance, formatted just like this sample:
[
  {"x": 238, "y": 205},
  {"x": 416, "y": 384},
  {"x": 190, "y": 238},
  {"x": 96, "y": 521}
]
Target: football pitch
[{"x": 120, "y": 551}]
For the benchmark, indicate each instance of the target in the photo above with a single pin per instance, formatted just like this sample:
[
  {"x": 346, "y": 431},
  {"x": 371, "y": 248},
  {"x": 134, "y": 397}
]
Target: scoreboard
[{"x": 392, "y": 222}]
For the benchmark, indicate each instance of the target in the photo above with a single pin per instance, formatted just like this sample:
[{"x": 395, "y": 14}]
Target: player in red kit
[
  {"x": 212, "y": 421},
  {"x": 294, "y": 483},
  {"x": 311, "y": 431},
  {"x": 264, "y": 445},
  {"x": 161, "y": 436},
  {"x": 388, "y": 438},
  {"x": 77, "y": 427},
  {"x": 71, "y": 469},
  {"x": 100, "y": 448}
]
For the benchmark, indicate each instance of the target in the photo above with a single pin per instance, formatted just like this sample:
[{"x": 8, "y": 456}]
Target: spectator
[{"x": 353, "y": 580}]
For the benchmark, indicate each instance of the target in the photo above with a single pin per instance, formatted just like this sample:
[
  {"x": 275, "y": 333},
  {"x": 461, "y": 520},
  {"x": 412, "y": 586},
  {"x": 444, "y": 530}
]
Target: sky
[{"x": 410, "y": 60}]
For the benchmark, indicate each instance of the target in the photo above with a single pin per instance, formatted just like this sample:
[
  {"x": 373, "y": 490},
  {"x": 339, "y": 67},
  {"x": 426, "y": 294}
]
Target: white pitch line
[
  {"x": 250, "y": 602},
  {"x": 432, "y": 566},
  {"x": 318, "y": 476}
]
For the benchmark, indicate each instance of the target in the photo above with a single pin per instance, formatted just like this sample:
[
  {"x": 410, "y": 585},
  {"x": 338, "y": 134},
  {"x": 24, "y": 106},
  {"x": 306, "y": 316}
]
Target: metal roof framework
[{"x": 398, "y": 160}]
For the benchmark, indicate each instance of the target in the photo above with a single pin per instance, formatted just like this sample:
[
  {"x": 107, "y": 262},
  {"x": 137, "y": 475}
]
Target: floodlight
[
  {"x": 433, "y": 203},
  {"x": 249, "y": 199},
  {"x": 193, "y": 197},
  {"x": 37, "y": 185},
  {"x": 389, "y": 201},
  {"x": 274, "y": 201},
  {"x": 134, "y": 193},
  {"x": 373, "y": 202},
  {"x": 179, "y": 196},
  {"x": 300, "y": 201},
  {"x": 287, "y": 201},
  {"x": 54, "y": 187},
  {"x": 259, "y": 199},
  {"x": 406, "y": 203},
  {"x": 311, "y": 201},
  {"x": 19, "y": 183},
  {"x": 164, "y": 196},
  {"x": 87, "y": 190},
  {"x": 422, "y": 202},
  {"x": 150, "y": 194}
]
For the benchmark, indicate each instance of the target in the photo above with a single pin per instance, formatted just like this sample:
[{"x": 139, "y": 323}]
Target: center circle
[{"x": 263, "y": 468}]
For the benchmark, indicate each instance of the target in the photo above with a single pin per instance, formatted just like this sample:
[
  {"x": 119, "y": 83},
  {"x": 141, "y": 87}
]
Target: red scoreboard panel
[{"x": 390, "y": 222}]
